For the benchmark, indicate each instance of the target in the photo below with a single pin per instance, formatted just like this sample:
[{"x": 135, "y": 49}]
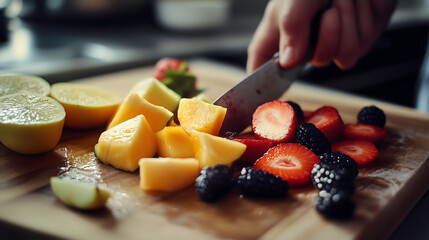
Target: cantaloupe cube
[
  {"x": 203, "y": 98},
  {"x": 123, "y": 145},
  {"x": 175, "y": 142},
  {"x": 211, "y": 150},
  {"x": 155, "y": 92},
  {"x": 134, "y": 104},
  {"x": 194, "y": 114},
  {"x": 167, "y": 174}
]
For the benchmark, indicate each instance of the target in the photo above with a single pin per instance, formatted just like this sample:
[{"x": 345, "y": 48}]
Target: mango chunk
[
  {"x": 123, "y": 145},
  {"x": 194, "y": 114},
  {"x": 211, "y": 150},
  {"x": 175, "y": 142},
  {"x": 155, "y": 92},
  {"x": 167, "y": 174},
  {"x": 134, "y": 104}
]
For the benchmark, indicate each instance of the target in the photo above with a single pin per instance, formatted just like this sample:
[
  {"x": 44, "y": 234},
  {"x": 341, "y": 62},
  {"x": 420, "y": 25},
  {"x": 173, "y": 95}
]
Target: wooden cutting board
[{"x": 387, "y": 189}]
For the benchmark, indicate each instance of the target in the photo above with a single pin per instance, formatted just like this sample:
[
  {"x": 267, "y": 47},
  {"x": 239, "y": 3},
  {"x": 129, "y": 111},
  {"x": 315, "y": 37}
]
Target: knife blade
[{"x": 269, "y": 82}]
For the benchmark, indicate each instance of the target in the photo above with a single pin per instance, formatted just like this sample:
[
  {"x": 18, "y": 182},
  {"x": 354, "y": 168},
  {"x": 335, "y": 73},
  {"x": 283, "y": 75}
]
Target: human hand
[{"x": 348, "y": 29}]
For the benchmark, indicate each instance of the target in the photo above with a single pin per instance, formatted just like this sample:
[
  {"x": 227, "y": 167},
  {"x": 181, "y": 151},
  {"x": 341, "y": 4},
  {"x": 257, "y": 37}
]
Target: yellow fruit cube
[
  {"x": 194, "y": 114},
  {"x": 211, "y": 150},
  {"x": 175, "y": 142},
  {"x": 155, "y": 92},
  {"x": 133, "y": 105},
  {"x": 203, "y": 98},
  {"x": 167, "y": 174},
  {"x": 123, "y": 145}
]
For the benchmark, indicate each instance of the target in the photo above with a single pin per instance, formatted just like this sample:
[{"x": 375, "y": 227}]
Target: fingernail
[{"x": 286, "y": 57}]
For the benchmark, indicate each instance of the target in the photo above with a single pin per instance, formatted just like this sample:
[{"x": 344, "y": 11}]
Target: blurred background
[{"x": 62, "y": 40}]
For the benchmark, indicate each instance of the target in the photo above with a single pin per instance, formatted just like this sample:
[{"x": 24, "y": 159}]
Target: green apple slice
[{"x": 79, "y": 194}]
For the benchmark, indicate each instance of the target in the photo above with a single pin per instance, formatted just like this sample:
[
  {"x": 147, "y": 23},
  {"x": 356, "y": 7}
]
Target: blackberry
[
  {"x": 372, "y": 115},
  {"x": 214, "y": 182},
  {"x": 326, "y": 176},
  {"x": 341, "y": 160},
  {"x": 337, "y": 205},
  {"x": 298, "y": 111},
  {"x": 258, "y": 183},
  {"x": 312, "y": 138}
]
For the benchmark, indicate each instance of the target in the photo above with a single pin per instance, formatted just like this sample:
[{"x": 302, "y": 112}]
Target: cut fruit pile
[
  {"x": 169, "y": 132},
  {"x": 144, "y": 135},
  {"x": 287, "y": 147},
  {"x": 319, "y": 149}
]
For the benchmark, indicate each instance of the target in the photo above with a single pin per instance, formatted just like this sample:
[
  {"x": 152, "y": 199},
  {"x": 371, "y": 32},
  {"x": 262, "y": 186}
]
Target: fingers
[
  {"x": 348, "y": 52},
  {"x": 295, "y": 31},
  {"x": 328, "y": 39},
  {"x": 264, "y": 42}
]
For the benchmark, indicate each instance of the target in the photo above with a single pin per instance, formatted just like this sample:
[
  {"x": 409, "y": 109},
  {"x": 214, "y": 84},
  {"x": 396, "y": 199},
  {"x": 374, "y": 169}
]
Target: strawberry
[
  {"x": 290, "y": 161},
  {"x": 174, "y": 73},
  {"x": 307, "y": 113},
  {"x": 165, "y": 64},
  {"x": 362, "y": 131},
  {"x": 255, "y": 148},
  {"x": 275, "y": 121},
  {"x": 361, "y": 151},
  {"x": 328, "y": 120}
]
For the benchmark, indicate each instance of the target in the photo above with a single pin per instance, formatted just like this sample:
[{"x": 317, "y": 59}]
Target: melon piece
[
  {"x": 155, "y": 92},
  {"x": 175, "y": 142},
  {"x": 123, "y": 145},
  {"x": 211, "y": 150},
  {"x": 167, "y": 174},
  {"x": 194, "y": 114},
  {"x": 79, "y": 195},
  {"x": 134, "y": 104},
  {"x": 203, "y": 98}
]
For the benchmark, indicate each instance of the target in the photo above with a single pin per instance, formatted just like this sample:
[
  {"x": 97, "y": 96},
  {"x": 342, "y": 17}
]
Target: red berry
[
  {"x": 328, "y": 120},
  {"x": 166, "y": 64},
  {"x": 290, "y": 161},
  {"x": 361, "y": 151},
  {"x": 307, "y": 113},
  {"x": 255, "y": 149},
  {"x": 362, "y": 131},
  {"x": 275, "y": 121}
]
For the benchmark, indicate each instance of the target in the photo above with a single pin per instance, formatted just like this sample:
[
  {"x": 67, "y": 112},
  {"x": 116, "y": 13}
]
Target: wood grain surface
[{"x": 387, "y": 189}]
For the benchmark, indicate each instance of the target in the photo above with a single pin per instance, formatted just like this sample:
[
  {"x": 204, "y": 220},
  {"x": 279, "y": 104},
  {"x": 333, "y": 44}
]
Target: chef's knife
[{"x": 267, "y": 83}]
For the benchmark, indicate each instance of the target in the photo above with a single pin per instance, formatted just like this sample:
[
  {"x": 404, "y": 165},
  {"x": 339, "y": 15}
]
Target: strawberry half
[
  {"x": 255, "y": 148},
  {"x": 275, "y": 121},
  {"x": 361, "y": 151},
  {"x": 165, "y": 64},
  {"x": 362, "y": 131},
  {"x": 290, "y": 161},
  {"x": 328, "y": 120}
]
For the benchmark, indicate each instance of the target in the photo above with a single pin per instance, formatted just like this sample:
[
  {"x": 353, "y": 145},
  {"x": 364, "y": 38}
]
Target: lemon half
[
  {"x": 23, "y": 83},
  {"x": 30, "y": 123},
  {"x": 86, "y": 106}
]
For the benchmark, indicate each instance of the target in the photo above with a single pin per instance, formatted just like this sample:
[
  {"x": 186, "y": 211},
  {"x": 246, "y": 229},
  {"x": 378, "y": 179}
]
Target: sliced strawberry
[
  {"x": 255, "y": 148},
  {"x": 290, "y": 161},
  {"x": 307, "y": 113},
  {"x": 361, "y": 151},
  {"x": 328, "y": 120},
  {"x": 166, "y": 64},
  {"x": 275, "y": 121},
  {"x": 362, "y": 131}
]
